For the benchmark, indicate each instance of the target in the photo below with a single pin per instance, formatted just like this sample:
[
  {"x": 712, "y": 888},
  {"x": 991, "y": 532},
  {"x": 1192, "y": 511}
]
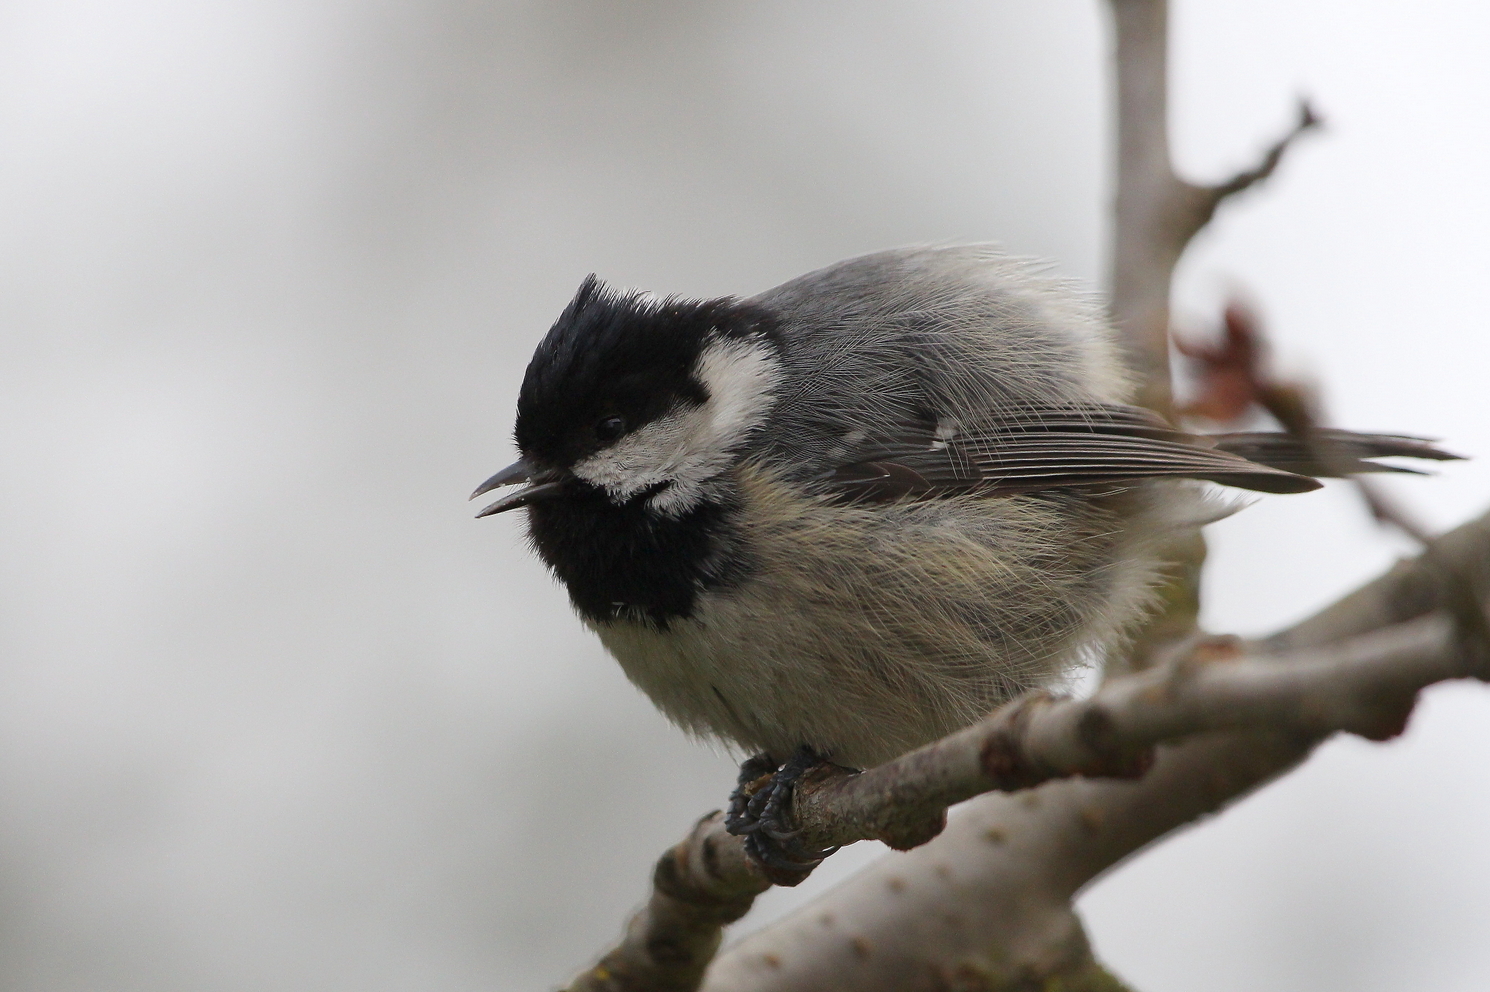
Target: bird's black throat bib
[{"x": 628, "y": 562}]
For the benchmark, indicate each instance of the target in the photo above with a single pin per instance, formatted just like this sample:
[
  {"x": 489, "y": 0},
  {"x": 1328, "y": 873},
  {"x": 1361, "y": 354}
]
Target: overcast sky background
[{"x": 277, "y": 714}]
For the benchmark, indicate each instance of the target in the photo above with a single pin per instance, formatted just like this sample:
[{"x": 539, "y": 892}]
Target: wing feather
[
  {"x": 1033, "y": 449},
  {"x": 1332, "y": 453}
]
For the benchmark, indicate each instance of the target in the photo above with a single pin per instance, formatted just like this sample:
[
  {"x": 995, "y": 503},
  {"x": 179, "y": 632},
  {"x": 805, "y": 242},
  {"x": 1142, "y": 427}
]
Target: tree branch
[
  {"x": 1366, "y": 685},
  {"x": 1156, "y": 213},
  {"x": 1247, "y": 178},
  {"x": 1410, "y": 589},
  {"x": 699, "y": 886},
  {"x": 1355, "y": 667},
  {"x": 990, "y": 899},
  {"x": 1144, "y": 249},
  {"x": 987, "y": 905}
]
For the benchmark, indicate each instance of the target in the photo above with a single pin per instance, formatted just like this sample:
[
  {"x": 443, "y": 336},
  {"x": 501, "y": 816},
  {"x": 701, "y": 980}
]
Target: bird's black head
[
  {"x": 637, "y": 395},
  {"x": 631, "y": 409}
]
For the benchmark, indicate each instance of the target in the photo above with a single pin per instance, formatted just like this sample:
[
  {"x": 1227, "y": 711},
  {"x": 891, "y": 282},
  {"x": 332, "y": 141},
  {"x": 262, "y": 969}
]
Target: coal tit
[{"x": 857, "y": 512}]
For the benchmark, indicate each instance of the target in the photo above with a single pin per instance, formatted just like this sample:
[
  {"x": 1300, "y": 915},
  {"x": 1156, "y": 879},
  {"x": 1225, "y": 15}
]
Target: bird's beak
[{"x": 540, "y": 486}]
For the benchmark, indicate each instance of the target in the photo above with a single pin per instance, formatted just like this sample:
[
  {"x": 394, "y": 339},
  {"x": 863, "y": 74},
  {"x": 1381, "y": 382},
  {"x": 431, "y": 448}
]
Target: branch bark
[
  {"x": 1244, "y": 713},
  {"x": 1156, "y": 213},
  {"x": 699, "y": 887},
  {"x": 988, "y": 904}
]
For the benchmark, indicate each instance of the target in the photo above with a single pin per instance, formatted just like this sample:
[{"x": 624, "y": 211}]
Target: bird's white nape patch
[
  {"x": 692, "y": 444},
  {"x": 740, "y": 375},
  {"x": 946, "y": 430}
]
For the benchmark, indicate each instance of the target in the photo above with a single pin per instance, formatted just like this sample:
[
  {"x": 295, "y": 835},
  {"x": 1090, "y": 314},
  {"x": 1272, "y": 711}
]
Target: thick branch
[
  {"x": 987, "y": 905},
  {"x": 1354, "y": 667},
  {"x": 1144, "y": 252},
  {"x": 991, "y": 898},
  {"x": 698, "y": 887},
  {"x": 1366, "y": 686}
]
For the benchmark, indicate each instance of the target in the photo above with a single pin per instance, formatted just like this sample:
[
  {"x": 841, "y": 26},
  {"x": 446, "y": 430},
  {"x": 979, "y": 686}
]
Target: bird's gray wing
[{"x": 1039, "y": 448}]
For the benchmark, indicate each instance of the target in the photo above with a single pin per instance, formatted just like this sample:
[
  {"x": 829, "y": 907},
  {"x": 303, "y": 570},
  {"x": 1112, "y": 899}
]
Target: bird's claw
[{"x": 760, "y": 812}]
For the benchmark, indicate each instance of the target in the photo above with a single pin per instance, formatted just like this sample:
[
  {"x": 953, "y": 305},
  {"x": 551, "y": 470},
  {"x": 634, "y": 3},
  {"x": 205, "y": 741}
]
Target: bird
[{"x": 849, "y": 515}]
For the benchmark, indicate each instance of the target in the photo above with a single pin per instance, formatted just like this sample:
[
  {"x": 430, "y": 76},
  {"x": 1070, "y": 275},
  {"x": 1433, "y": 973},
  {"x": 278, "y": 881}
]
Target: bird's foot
[{"x": 760, "y": 810}]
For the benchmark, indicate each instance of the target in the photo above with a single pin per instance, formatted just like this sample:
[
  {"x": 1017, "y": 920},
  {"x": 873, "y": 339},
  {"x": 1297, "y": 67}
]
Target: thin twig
[{"x": 1203, "y": 200}]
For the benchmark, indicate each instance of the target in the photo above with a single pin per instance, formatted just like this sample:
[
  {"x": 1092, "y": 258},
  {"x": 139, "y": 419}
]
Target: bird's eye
[{"x": 609, "y": 428}]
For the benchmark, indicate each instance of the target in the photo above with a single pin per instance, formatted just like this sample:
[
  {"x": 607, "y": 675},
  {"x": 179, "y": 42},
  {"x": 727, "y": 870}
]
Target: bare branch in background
[
  {"x": 1247, "y": 178},
  {"x": 1157, "y": 213}
]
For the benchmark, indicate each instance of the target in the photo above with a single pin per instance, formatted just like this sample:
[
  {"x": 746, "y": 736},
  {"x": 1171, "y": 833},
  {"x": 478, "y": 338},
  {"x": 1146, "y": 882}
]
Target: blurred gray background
[{"x": 277, "y": 714}]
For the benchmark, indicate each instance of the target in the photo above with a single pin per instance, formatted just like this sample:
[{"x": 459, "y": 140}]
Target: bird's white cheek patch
[
  {"x": 692, "y": 444},
  {"x": 645, "y": 457}
]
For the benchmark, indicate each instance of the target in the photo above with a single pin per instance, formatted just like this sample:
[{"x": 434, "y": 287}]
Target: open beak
[{"x": 540, "y": 486}]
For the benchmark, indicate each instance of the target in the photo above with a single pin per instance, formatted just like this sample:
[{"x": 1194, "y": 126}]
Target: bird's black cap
[
  {"x": 619, "y": 354},
  {"x": 611, "y": 363}
]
